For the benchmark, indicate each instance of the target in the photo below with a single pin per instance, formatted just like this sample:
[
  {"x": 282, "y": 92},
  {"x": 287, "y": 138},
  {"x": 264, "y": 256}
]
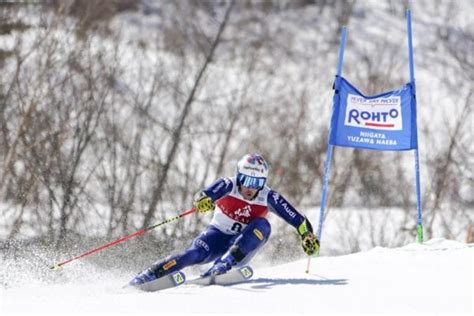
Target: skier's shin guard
[{"x": 252, "y": 238}]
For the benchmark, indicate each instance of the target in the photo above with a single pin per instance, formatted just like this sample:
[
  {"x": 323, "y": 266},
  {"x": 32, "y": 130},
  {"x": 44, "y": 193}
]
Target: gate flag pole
[
  {"x": 355, "y": 116},
  {"x": 419, "y": 226},
  {"x": 327, "y": 162}
]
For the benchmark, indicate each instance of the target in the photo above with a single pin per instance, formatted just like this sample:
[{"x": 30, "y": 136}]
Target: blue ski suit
[{"x": 236, "y": 222}]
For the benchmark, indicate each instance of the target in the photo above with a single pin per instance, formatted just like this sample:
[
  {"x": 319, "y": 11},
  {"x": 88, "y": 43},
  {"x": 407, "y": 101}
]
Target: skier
[{"x": 238, "y": 228}]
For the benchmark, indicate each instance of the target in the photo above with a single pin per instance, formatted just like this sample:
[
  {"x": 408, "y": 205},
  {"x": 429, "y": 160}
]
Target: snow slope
[{"x": 435, "y": 278}]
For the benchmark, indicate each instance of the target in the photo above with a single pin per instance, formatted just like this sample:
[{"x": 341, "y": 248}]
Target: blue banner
[{"x": 382, "y": 122}]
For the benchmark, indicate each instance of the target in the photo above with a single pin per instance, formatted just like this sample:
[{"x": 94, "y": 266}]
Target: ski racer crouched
[{"x": 238, "y": 228}]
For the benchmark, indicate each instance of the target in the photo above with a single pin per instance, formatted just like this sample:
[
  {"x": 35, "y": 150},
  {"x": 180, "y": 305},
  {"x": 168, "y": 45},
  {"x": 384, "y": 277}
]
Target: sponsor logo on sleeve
[
  {"x": 216, "y": 189},
  {"x": 288, "y": 210},
  {"x": 275, "y": 196},
  {"x": 284, "y": 204}
]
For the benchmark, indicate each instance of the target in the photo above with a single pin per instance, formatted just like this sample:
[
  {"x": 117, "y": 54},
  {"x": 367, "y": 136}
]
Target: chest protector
[{"x": 233, "y": 213}]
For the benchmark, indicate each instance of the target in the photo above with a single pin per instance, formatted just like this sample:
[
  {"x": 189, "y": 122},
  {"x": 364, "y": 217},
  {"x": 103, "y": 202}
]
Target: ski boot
[
  {"x": 143, "y": 277},
  {"x": 221, "y": 266},
  {"x": 154, "y": 272}
]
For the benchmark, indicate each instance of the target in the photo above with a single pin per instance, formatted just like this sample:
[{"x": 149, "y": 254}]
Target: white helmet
[{"x": 252, "y": 171}]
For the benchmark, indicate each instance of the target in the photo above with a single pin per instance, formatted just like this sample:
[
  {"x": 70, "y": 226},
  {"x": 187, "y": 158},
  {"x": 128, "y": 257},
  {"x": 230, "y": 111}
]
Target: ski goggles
[{"x": 251, "y": 182}]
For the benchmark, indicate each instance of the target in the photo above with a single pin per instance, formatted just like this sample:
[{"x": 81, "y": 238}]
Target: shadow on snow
[{"x": 263, "y": 283}]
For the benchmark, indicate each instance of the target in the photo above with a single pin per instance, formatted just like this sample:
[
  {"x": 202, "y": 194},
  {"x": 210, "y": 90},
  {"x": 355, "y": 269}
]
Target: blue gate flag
[{"x": 386, "y": 121}]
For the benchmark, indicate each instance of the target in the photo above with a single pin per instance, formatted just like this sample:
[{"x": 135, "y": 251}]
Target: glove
[
  {"x": 310, "y": 243},
  {"x": 203, "y": 203}
]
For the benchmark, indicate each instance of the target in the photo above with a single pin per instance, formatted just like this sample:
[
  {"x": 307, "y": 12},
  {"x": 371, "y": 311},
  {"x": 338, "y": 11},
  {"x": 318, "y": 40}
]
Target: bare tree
[{"x": 176, "y": 136}]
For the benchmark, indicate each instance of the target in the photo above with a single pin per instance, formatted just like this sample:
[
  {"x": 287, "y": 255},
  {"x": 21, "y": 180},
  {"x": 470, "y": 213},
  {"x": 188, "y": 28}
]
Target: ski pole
[{"x": 112, "y": 243}]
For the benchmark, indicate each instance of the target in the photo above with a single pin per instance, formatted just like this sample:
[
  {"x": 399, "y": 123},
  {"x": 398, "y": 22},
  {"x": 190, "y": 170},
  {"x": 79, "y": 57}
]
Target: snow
[{"x": 435, "y": 278}]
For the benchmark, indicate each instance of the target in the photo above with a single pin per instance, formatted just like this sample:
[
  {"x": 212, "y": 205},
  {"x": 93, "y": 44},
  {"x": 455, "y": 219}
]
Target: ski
[
  {"x": 234, "y": 276},
  {"x": 168, "y": 281}
]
